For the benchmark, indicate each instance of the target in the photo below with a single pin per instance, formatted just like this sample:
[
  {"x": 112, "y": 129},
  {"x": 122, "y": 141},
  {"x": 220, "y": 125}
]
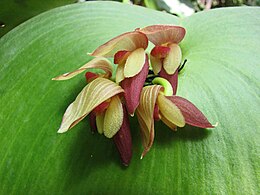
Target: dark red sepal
[
  {"x": 133, "y": 87},
  {"x": 192, "y": 115},
  {"x": 92, "y": 122},
  {"x": 123, "y": 140},
  {"x": 172, "y": 78}
]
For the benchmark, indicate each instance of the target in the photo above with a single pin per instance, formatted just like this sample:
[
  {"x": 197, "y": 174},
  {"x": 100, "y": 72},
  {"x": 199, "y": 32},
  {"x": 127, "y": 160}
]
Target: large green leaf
[
  {"x": 221, "y": 77},
  {"x": 14, "y": 12}
]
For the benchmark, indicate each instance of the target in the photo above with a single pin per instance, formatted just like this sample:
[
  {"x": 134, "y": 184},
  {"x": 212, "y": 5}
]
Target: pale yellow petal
[
  {"x": 96, "y": 92},
  {"x": 145, "y": 112},
  {"x": 129, "y": 41},
  {"x": 170, "y": 111},
  {"x": 99, "y": 62},
  {"x": 120, "y": 73},
  {"x": 156, "y": 64},
  {"x": 100, "y": 122},
  {"x": 113, "y": 117},
  {"x": 134, "y": 63},
  {"x": 173, "y": 59}
]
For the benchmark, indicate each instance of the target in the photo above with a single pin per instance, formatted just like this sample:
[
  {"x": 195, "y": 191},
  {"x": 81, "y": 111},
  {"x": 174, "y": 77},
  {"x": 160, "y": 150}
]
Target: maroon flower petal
[
  {"x": 92, "y": 122},
  {"x": 101, "y": 107},
  {"x": 133, "y": 87},
  {"x": 160, "y": 51},
  {"x": 193, "y": 116},
  {"x": 90, "y": 76},
  {"x": 156, "y": 114},
  {"x": 123, "y": 140},
  {"x": 121, "y": 56},
  {"x": 172, "y": 78}
]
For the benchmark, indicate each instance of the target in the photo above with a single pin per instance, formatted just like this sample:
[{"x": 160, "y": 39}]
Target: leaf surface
[{"x": 221, "y": 77}]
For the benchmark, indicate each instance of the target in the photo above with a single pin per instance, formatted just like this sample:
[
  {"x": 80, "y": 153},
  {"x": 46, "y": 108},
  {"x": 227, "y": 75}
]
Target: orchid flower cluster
[{"x": 109, "y": 100}]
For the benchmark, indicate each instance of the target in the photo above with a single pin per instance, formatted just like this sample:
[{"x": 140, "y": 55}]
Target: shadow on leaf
[
  {"x": 165, "y": 135},
  {"x": 88, "y": 154}
]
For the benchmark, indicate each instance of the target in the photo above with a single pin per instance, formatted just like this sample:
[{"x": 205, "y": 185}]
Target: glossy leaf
[{"x": 221, "y": 77}]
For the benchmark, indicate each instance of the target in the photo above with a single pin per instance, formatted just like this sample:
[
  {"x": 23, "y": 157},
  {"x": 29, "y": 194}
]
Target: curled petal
[
  {"x": 129, "y": 41},
  {"x": 173, "y": 79},
  {"x": 96, "y": 92},
  {"x": 100, "y": 62},
  {"x": 170, "y": 111},
  {"x": 121, "y": 56},
  {"x": 133, "y": 87},
  {"x": 193, "y": 116},
  {"x": 145, "y": 115},
  {"x": 156, "y": 64},
  {"x": 134, "y": 63},
  {"x": 160, "y": 51},
  {"x": 123, "y": 140},
  {"x": 113, "y": 117},
  {"x": 173, "y": 59},
  {"x": 162, "y": 34}
]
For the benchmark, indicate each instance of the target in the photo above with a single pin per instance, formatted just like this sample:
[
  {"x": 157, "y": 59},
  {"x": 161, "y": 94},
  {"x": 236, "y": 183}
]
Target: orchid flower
[
  {"x": 158, "y": 103},
  {"x": 166, "y": 55},
  {"x": 102, "y": 97},
  {"x": 128, "y": 50}
]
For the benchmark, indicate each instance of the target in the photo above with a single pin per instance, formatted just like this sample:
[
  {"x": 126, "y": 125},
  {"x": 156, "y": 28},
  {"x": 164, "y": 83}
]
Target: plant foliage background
[{"x": 221, "y": 77}]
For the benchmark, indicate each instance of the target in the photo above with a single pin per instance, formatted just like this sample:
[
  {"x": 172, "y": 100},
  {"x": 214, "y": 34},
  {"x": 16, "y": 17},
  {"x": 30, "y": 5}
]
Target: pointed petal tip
[
  {"x": 125, "y": 164},
  {"x": 61, "y": 131},
  {"x": 215, "y": 125}
]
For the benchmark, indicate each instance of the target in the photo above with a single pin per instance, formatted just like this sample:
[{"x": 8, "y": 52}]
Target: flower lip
[
  {"x": 163, "y": 34},
  {"x": 129, "y": 41}
]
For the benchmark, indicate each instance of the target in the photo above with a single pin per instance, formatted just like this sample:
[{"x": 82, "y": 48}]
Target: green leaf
[
  {"x": 221, "y": 77},
  {"x": 14, "y": 12}
]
